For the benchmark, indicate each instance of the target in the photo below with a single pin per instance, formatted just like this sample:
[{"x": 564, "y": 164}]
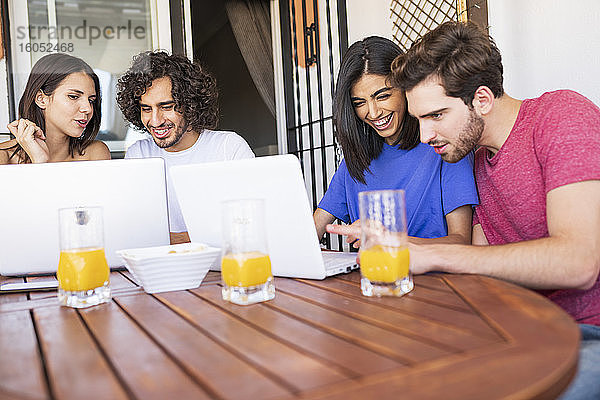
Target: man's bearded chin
[
  {"x": 467, "y": 139},
  {"x": 166, "y": 143}
]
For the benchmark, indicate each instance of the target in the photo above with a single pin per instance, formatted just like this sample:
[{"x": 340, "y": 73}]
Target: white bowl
[{"x": 167, "y": 268}]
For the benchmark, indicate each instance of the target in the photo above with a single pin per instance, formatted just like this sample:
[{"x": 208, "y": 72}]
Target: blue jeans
[{"x": 586, "y": 383}]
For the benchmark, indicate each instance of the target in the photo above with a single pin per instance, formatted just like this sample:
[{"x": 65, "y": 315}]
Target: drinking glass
[
  {"x": 245, "y": 262},
  {"x": 384, "y": 257},
  {"x": 83, "y": 273}
]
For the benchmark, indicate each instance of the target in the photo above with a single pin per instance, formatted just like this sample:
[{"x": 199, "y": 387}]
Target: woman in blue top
[{"x": 380, "y": 141}]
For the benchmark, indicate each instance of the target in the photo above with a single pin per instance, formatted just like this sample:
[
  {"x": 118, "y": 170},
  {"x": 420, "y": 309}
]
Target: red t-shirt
[{"x": 555, "y": 141}]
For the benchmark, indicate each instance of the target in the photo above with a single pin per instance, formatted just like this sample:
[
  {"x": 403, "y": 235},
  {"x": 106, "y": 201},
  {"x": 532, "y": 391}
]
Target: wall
[
  {"x": 548, "y": 45},
  {"x": 545, "y": 44},
  {"x": 364, "y": 21}
]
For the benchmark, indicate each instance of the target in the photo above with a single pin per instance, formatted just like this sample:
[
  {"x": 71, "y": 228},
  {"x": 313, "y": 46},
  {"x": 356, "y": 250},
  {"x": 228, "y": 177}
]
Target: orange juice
[
  {"x": 246, "y": 269},
  {"x": 82, "y": 269},
  {"x": 384, "y": 263}
]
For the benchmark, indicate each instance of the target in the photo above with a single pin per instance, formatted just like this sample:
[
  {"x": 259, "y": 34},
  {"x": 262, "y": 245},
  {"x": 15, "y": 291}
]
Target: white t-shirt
[{"x": 211, "y": 146}]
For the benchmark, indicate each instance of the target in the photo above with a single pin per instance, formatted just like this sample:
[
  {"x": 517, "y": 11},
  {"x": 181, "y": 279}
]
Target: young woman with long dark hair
[
  {"x": 381, "y": 147},
  {"x": 59, "y": 114}
]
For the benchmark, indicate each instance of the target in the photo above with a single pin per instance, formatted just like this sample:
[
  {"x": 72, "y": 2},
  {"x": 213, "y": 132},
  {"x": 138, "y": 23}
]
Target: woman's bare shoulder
[
  {"x": 6, "y": 148},
  {"x": 3, "y": 157},
  {"x": 8, "y": 144},
  {"x": 97, "y": 150}
]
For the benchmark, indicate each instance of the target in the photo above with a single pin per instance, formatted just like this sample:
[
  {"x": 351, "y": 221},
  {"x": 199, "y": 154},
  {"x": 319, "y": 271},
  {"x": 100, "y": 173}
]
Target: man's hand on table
[{"x": 422, "y": 256}]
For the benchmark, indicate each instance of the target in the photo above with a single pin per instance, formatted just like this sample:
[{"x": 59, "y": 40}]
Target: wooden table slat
[
  {"x": 12, "y": 297},
  {"x": 392, "y": 344},
  {"x": 414, "y": 306},
  {"x": 453, "y": 337},
  {"x": 296, "y": 370},
  {"x": 432, "y": 281},
  {"x": 206, "y": 360},
  {"x": 499, "y": 371},
  {"x": 144, "y": 367},
  {"x": 355, "y": 360},
  {"x": 437, "y": 293},
  {"x": 350, "y": 277},
  {"x": 61, "y": 331},
  {"x": 29, "y": 304},
  {"x": 439, "y": 297},
  {"x": 19, "y": 353},
  {"x": 41, "y": 295},
  {"x": 120, "y": 286},
  {"x": 449, "y": 336},
  {"x": 212, "y": 277},
  {"x": 128, "y": 275},
  {"x": 521, "y": 315},
  {"x": 491, "y": 373},
  {"x": 120, "y": 280}
]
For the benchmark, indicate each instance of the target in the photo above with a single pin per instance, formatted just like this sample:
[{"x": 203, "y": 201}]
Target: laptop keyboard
[{"x": 335, "y": 259}]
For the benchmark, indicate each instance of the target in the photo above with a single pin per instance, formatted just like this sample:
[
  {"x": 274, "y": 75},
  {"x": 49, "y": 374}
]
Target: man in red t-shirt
[
  {"x": 537, "y": 169},
  {"x": 538, "y": 175}
]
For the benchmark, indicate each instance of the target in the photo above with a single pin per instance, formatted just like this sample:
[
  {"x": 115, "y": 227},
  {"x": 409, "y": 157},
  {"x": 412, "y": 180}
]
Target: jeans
[{"x": 586, "y": 383}]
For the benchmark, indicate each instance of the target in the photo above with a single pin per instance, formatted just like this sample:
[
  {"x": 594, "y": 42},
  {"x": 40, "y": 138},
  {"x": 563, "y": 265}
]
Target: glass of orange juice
[
  {"x": 245, "y": 262},
  {"x": 384, "y": 257},
  {"x": 82, "y": 268}
]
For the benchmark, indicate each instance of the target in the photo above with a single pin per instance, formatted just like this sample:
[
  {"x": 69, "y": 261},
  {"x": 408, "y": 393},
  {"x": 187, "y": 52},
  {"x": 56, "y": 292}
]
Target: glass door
[{"x": 104, "y": 33}]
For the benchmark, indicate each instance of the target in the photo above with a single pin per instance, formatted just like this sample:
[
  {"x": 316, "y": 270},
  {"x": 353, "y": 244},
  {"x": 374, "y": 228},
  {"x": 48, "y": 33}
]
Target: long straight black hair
[
  {"x": 360, "y": 143},
  {"x": 46, "y": 75}
]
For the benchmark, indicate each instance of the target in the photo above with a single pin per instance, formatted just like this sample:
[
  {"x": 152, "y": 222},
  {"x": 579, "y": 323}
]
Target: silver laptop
[
  {"x": 292, "y": 239},
  {"x": 132, "y": 194}
]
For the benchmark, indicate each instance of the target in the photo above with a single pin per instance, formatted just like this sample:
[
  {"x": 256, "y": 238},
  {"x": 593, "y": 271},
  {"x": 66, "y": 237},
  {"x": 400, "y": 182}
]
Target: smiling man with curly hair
[{"x": 175, "y": 101}]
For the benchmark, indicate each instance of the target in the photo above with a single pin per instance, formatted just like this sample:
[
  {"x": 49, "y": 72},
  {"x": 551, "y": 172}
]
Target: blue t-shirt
[{"x": 433, "y": 187}]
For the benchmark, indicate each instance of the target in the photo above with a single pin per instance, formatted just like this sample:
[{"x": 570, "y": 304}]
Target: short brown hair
[{"x": 461, "y": 55}]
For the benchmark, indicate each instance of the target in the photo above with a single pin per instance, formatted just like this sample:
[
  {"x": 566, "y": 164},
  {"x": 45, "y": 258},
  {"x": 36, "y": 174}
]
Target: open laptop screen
[
  {"x": 132, "y": 194},
  {"x": 292, "y": 239}
]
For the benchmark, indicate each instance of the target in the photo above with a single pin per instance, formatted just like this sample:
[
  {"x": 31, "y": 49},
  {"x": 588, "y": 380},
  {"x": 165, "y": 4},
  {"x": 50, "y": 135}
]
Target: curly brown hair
[{"x": 193, "y": 89}]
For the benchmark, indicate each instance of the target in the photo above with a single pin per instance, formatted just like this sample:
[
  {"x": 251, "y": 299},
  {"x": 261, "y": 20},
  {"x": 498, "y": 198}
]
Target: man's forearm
[{"x": 548, "y": 263}]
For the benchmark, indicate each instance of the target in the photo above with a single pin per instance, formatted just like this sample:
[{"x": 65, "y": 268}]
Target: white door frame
[
  {"x": 160, "y": 21},
  {"x": 187, "y": 20},
  {"x": 280, "y": 115}
]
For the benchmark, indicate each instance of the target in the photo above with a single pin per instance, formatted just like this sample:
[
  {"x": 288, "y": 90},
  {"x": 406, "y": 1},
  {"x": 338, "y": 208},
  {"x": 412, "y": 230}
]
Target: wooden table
[{"x": 453, "y": 337}]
